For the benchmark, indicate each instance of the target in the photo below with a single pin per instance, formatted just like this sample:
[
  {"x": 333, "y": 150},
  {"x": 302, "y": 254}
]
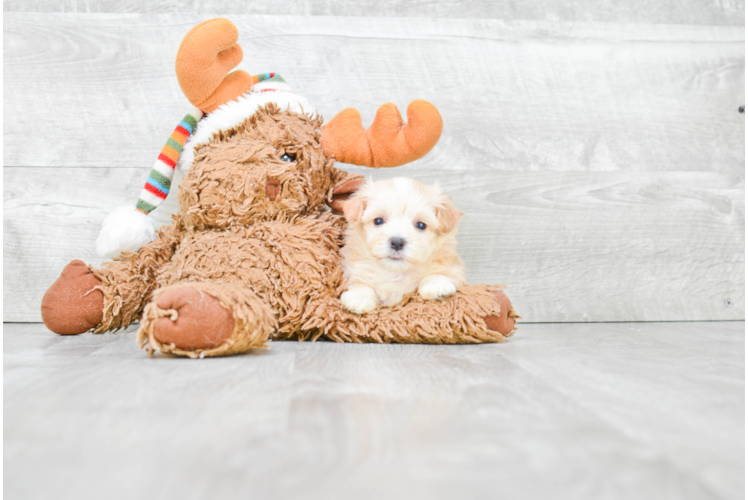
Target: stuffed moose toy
[{"x": 254, "y": 253}]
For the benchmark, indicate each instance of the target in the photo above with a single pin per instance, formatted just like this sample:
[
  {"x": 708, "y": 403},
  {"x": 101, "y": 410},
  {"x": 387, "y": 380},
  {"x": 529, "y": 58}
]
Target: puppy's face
[{"x": 402, "y": 222}]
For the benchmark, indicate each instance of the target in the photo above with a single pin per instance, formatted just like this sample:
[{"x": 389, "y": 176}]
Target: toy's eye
[
  {"x": 420, "y": 225},
  {"x": 289, "y": 157},
  {"x": 378, "y": 221}
]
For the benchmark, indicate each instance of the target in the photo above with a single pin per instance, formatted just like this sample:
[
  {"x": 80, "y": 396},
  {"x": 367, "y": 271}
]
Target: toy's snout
[{"x": 272, "y": 188}]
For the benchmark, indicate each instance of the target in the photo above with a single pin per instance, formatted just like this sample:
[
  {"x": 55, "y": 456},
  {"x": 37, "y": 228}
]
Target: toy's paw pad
[
  {"x": 200, "y": 322},
  {"x": 505, "y": 321},
  {"x": 436, "y": 287},
  {"x": 359, "y": 300},
  {"x": 72, "y": 305}
]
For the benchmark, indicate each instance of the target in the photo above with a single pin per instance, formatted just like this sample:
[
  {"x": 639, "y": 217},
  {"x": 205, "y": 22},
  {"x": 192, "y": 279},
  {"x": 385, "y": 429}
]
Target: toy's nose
[
  {"x": 272, "y": 188},
  {"x": 397, "y": 244}
]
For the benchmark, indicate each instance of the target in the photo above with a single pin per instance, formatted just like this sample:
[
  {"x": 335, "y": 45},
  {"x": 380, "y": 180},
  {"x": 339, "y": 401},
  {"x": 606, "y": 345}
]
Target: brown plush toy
[{"x": 254, "y": 254}]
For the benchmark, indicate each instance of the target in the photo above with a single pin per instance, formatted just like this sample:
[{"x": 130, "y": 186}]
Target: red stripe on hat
[
  {"x": 155, "y": 190},
  {"x": 167, "y": 160},
  {"x": 182, "y": 131}
]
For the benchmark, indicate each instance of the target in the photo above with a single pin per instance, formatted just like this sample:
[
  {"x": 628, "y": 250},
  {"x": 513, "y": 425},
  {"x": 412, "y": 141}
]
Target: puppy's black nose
[{"x": 397, "y": 244}]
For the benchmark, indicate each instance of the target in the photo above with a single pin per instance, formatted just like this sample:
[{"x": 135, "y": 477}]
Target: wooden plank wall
[
  {"x": 691, "y": 12},
  {"x": 597, "y": 150}
]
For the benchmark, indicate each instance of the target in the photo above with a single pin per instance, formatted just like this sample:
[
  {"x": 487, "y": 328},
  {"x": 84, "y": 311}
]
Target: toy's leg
[
  {"x": 504, "y": 322},
  {"x": 476, "y": 313},
  {"x": 108, "y": 298},
  {"x": 73, "y": 304},
  {"x": 205, "y": 319},
  {"x": 84, "y": 299}
]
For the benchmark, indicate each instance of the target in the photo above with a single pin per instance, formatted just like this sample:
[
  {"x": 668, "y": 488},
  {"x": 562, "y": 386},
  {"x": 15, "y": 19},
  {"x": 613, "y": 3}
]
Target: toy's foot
[
  {"x": 71, "y": 305},
  {"x": 505, "y": 321},
  {"x": 205, "y": 319},
  {"x": 200, "y": 321}
]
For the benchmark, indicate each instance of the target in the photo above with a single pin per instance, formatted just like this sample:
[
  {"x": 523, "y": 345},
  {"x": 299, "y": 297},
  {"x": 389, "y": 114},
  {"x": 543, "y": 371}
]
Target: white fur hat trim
[
  {"x": 125, "y": 229},
  {"x": 233, "y": 113}
]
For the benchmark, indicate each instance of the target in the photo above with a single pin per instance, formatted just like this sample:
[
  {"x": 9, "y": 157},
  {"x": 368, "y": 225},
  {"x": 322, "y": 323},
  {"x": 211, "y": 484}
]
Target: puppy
[{"x": 400, "y": 237}]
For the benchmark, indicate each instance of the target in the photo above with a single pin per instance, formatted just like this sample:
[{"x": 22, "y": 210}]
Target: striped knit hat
[
  {"x": 126, "y": 229},
  {"x": 159, "y": 181}
]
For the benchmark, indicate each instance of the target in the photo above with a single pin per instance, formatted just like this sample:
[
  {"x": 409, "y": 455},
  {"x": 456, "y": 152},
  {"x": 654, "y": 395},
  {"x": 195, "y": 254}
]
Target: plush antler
[
  {"x": 207, "y": 53},
  {"x": 387, "y": 143}
]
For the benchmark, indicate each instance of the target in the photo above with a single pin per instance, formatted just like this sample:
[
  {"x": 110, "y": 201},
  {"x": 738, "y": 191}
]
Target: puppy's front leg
[
  {"x": 436, "y": 287},
  {"x": 359, "y": 299}
]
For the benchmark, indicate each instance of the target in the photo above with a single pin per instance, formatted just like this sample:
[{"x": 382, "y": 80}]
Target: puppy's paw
[
  {"x": 436, "y": 287},
  {"x": 359, "y": 299}
]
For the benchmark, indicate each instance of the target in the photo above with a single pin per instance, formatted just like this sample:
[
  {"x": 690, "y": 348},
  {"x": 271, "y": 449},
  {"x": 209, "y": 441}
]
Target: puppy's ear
[
  {"x": 447, "y": 216},
  {"x": 343, "y": 191},
  {"x": 353, "y": 208}
]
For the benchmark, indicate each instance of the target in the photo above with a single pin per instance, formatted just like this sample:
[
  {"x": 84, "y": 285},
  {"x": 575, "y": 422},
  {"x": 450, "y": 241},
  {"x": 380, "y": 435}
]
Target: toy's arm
[
  {"x": 128, "y": 281},
  {"x": 111, "y": 297}
]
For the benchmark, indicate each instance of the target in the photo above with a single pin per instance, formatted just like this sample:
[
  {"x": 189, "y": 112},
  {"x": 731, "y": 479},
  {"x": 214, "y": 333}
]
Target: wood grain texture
[
  {"x": 601, "y": 166},
  {"x": 614, "y": 411},
  {"x": 573, "y": 246},
  {"x": 520, "y": 96},
  {"x": 697, "y": 12}
]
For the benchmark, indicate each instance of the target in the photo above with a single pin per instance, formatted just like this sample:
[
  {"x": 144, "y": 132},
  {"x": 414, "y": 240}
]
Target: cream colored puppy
[{"x": 401, "y": 237}]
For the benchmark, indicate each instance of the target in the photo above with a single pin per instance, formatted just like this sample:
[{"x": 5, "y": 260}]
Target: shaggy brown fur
[{"x": 253, "y": 232}]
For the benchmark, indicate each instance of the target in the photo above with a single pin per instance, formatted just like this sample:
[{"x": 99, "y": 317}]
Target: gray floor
[{"x": 622, "y": 410}]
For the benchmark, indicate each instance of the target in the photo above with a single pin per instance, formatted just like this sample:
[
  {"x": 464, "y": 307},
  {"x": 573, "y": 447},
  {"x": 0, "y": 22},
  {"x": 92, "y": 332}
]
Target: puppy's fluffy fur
[{"x": 401, "y": 237}]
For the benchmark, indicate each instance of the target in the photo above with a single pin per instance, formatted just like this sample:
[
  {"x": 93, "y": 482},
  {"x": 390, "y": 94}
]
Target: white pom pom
[{"x": 125, "y": 229}]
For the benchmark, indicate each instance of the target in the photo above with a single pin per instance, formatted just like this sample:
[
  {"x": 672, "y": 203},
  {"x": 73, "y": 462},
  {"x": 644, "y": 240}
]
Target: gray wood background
[{"x": 596, "y": 149}]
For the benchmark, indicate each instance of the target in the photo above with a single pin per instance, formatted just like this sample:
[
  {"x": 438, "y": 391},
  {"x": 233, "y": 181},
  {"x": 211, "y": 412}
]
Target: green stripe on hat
[
  {"x": 191, "y": 121},
  {"x": 174, "y": 145},
  {"x": 160, "y": 178},
  {"x": 144, "y": 207}
]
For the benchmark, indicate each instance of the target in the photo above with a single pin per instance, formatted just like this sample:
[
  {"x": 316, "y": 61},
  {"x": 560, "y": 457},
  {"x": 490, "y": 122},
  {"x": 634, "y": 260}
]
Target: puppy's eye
[
  {"x": 378, "y": 221},
  {"x": 420, "y": 225},
  {"x": 289, "y": 157}
]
